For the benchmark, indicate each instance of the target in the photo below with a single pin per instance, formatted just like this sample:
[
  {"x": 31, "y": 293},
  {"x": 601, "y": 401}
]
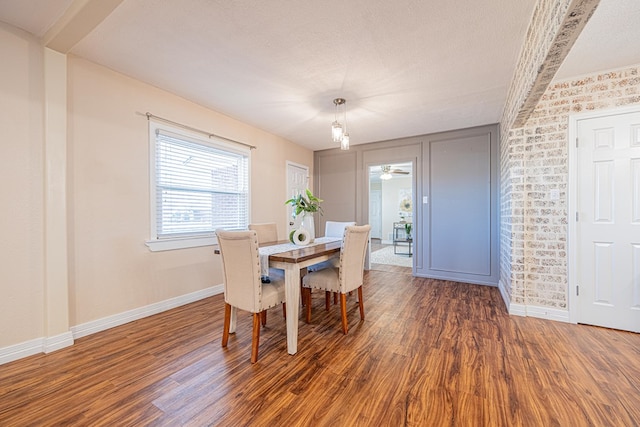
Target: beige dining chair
[
  {"x": 349, "y": 275},
  {"x": 332, "y": 229},
  {"x": 267, "y": 231},
  {"x": 243, "y": 288},
  {"x": 336, "y": 228}
]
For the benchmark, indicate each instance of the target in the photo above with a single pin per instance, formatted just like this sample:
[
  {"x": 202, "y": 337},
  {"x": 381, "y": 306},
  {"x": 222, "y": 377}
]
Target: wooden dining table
[{"x": 292, "y": 262}]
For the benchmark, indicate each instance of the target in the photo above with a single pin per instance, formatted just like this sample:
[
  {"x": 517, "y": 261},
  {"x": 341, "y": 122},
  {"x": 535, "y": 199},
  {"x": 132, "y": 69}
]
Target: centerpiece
[{"x": 304, "y": 205}]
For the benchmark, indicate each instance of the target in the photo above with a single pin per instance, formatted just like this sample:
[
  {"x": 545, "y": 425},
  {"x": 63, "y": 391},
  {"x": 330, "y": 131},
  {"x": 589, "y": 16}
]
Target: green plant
[
  {"x": 302, "y": 203},
  {"x": 407, "y": 229}
]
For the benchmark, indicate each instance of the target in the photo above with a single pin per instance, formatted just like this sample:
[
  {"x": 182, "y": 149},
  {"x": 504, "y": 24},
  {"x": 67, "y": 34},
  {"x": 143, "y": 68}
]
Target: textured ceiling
[
  {"x": 407, "y": 67},
  {"x": 610, "y": 40}
]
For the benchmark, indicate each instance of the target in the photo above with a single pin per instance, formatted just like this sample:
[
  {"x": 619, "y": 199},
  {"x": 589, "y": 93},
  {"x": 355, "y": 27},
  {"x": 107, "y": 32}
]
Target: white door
[
  {"x": 297, "y": 182},
  {"x": 375, "y": 213},
  {"x": 608, "y": 221}
]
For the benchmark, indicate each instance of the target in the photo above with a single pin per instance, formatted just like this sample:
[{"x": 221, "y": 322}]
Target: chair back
[
  {"x": 352, "y": 255},
  {"x": 336, "y": 228},
  {"x": 241, "y": 269},
  {"x": 267, "y": 231}
]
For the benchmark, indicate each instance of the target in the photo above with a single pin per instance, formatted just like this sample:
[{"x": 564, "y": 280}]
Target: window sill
[{"x": 172, "y": 244}]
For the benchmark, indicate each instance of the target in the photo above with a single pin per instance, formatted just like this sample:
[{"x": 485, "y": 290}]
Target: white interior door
[
  {"x": 297, "y": 182},
  {"x": 375, "y": 213},
  {"x": 608, "y": 221}
]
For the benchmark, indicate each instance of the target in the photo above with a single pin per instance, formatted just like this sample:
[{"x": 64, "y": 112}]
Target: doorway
[{"x": 391, "y": 202}]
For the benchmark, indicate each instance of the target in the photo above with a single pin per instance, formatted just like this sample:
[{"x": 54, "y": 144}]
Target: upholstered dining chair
[
  {"x": 349, "y": 275},
  {"x": 336, "y": 228},
  {"x": 332, "y": 229},
  {"x": 267, "y": 231},
  {"x": 243, "y": 288}
]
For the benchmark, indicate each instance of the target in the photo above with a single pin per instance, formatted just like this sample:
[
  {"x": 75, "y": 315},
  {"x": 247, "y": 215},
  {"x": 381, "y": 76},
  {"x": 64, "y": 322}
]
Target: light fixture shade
[
  {"x": 344, "y": 144},
  {"x": 336, "y": 131},
  {"x": 386, "y": 173}
]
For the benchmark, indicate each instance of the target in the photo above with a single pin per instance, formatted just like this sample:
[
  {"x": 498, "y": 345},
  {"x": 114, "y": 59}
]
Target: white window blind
[{"x": 199, "y": 187}]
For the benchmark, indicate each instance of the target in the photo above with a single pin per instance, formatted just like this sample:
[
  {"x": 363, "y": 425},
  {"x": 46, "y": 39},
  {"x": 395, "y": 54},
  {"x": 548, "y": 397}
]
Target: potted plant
[
  {"x": 407, "y": 229},
  {"x": 306, "y": 204}
]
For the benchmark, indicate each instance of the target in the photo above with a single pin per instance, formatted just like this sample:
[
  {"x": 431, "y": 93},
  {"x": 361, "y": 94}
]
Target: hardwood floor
[{"x": 430, "y": 353}]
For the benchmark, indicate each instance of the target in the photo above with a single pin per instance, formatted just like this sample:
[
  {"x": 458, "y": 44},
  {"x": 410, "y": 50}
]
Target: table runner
[{"x": 285, "y": 247}]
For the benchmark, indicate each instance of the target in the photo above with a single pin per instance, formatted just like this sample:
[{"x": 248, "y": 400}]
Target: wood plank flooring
[{"x": 430, "y": 353}]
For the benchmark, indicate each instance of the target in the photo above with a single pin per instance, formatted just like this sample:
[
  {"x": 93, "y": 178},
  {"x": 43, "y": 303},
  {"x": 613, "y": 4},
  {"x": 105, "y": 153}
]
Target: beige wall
[
  {"x": 21, "y": 192},
  {"x": 111, "y": 271}
]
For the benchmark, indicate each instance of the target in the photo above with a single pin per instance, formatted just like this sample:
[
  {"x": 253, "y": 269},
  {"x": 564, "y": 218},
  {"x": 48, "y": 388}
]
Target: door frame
[
  {"x": 572, "y": 205},
  {"x": 368, "y": 163}
]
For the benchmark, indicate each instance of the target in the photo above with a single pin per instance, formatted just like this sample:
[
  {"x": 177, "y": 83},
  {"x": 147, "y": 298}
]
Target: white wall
[{"x": 391, "y": 203}]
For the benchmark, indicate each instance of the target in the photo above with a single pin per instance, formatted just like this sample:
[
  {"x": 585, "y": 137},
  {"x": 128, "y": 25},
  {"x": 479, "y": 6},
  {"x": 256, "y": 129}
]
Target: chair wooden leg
[
  {"x": 335, "y": 298},
  {"x": 327, "y": 300},
  {"x": 343, "y": 312},
  {"x": 303, "y": 272},
  {"x": 360, "y": 303},
  {"x": 227, "y": 322},
  {"x": 284, "y": 310},
  {"x": 255, "y": 340},
  {"x": 263, "y": 317},
  {"x": 307, "y": 298}
]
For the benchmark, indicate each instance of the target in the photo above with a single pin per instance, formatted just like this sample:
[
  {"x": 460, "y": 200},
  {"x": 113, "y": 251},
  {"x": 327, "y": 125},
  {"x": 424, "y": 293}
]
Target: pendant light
[{"x": 338, "y": 131}]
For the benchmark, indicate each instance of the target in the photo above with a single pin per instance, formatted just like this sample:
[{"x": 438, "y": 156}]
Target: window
[{"x": 197, "y": 186}]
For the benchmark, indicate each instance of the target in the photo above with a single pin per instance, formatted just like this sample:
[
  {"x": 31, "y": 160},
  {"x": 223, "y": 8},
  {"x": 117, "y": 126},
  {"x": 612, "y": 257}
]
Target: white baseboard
[
  {"x": 105, "y": 323},
  {"x": 50, "y": 344},
  {"x": 532, "y": 311},
  {"x": 35, "y": 346},
  {"x": 24, "y": 349},
  {"x": 540, "y": 312},
  {"x": 517, "y": 309},
  {"x": 548, "y": 313},
  {"x": 505, "y": 295}
]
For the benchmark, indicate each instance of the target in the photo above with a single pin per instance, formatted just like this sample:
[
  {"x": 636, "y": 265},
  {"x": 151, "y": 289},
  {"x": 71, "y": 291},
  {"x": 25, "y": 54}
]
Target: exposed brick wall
[
  {"x": 545, "y": 22},
  {"x": 535, "y": 161}
]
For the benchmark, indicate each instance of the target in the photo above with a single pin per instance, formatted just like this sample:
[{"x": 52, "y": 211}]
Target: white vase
[{"x": 308, "y": 224}]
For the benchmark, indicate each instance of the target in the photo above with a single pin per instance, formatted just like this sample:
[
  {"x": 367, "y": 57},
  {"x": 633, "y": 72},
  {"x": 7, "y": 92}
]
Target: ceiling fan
[{"x": 387, "y": 172}]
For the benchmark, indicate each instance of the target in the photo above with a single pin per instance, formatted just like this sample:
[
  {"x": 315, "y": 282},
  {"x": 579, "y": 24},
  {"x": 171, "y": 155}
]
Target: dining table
[{"x": 293, "y": 259}]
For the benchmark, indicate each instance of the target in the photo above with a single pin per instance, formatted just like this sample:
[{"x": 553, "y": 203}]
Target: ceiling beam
[
  {"x": 576, "y": 17},
  {"x": 78, "y": 20}
]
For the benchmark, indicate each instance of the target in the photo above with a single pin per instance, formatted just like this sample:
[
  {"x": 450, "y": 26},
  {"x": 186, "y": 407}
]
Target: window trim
[{"x": 166, "y": 244}]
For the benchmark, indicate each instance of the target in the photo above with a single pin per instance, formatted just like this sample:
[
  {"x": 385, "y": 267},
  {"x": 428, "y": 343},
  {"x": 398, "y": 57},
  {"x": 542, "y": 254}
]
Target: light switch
[
  {"x": 425, "y": 199},
  {"x": 554, "y": 194}
]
